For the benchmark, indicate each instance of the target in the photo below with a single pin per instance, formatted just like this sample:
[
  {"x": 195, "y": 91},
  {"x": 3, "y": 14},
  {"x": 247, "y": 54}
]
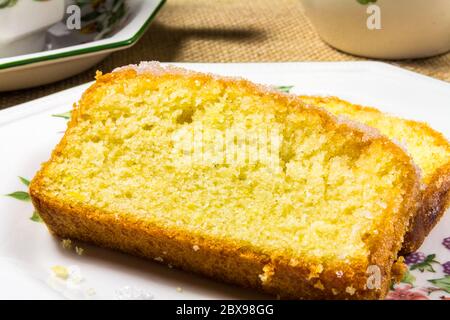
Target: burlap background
[{"x": 226, "y": 31}]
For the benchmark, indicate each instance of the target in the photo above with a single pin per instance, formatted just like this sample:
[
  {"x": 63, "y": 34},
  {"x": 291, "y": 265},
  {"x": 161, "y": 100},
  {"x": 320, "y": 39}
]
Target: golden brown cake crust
[
  {"x": 225, "y": 260},
  {"x": 435, "y": 196},
  {"x": 435, "y": 201}
]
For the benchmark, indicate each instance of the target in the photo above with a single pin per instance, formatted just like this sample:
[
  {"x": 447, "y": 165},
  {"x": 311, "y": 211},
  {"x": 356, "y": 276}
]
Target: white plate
[
  {"x": 29, "y": 132},
  {"x": 44, "y": 67}
]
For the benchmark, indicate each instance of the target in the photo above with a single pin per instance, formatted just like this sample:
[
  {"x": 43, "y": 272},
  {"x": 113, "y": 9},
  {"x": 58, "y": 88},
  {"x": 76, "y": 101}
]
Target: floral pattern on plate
[{"x": 425, "y": 267}]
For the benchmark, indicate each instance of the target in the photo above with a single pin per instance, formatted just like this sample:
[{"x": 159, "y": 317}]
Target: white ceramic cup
[
  {"x": 23, "y": 24},
  {"x": 409, "y": 28}
]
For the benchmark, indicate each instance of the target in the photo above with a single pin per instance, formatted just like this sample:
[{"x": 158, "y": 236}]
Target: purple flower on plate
[
  {"x": 415, "y": 257},
  {"x": 446, "y": 243},
  {"x": 446, "y": 267}
]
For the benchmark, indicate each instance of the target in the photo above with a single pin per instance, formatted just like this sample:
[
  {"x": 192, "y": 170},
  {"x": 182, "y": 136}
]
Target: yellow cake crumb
[
  {"x": 315, "y": 271},
  {"x": 319, "y": 285},
  {"x": 350, "y": 290},
  {"x": 66, "y": 244},
  {"x": 61, "y": 272},
  {"x": 79, "y": 251},
  {"x": 268, "y": 272}
]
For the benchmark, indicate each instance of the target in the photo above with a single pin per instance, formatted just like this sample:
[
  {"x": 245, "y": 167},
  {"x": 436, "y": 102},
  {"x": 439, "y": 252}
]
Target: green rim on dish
[{"x": 113, "y": 45}]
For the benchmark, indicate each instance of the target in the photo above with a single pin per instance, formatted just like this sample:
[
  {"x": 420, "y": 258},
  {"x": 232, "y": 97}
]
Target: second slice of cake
[{"x": 429, "y": 149}]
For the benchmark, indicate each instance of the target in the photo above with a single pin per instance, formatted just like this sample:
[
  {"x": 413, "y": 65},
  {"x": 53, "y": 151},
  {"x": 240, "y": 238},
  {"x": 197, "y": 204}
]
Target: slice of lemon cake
[
  {"x": 429, "y": 149},
  {"x": 231, "y": 180}
]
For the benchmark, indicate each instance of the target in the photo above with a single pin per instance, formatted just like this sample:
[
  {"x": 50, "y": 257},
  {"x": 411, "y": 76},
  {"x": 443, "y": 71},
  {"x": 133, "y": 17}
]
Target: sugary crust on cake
[
  {"x": 225, "y": 260},
  {"x": 435, "y": 195},
  {"x": 156, "y": 68}
]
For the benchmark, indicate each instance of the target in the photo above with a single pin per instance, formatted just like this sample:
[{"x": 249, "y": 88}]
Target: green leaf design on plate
[
  {"x": 24, "y": 181},
  {"x": 20, "y": 195},
  {"x": 11, "y": 3},
  {"x": 366, "y": 1},
  {"x": 25, "y": 196},
  {"x": 442, "y": 283},
  {"x": 7, "y": 3},
  {"x": 286, "y": 89},
  {"x": 426, "y": 265},
  {"x": 36, "y": 217},
  {"x": 82, "y": 2},
  {"x": 408, "y": 278},
  {"x": 65, "y": 115}
]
